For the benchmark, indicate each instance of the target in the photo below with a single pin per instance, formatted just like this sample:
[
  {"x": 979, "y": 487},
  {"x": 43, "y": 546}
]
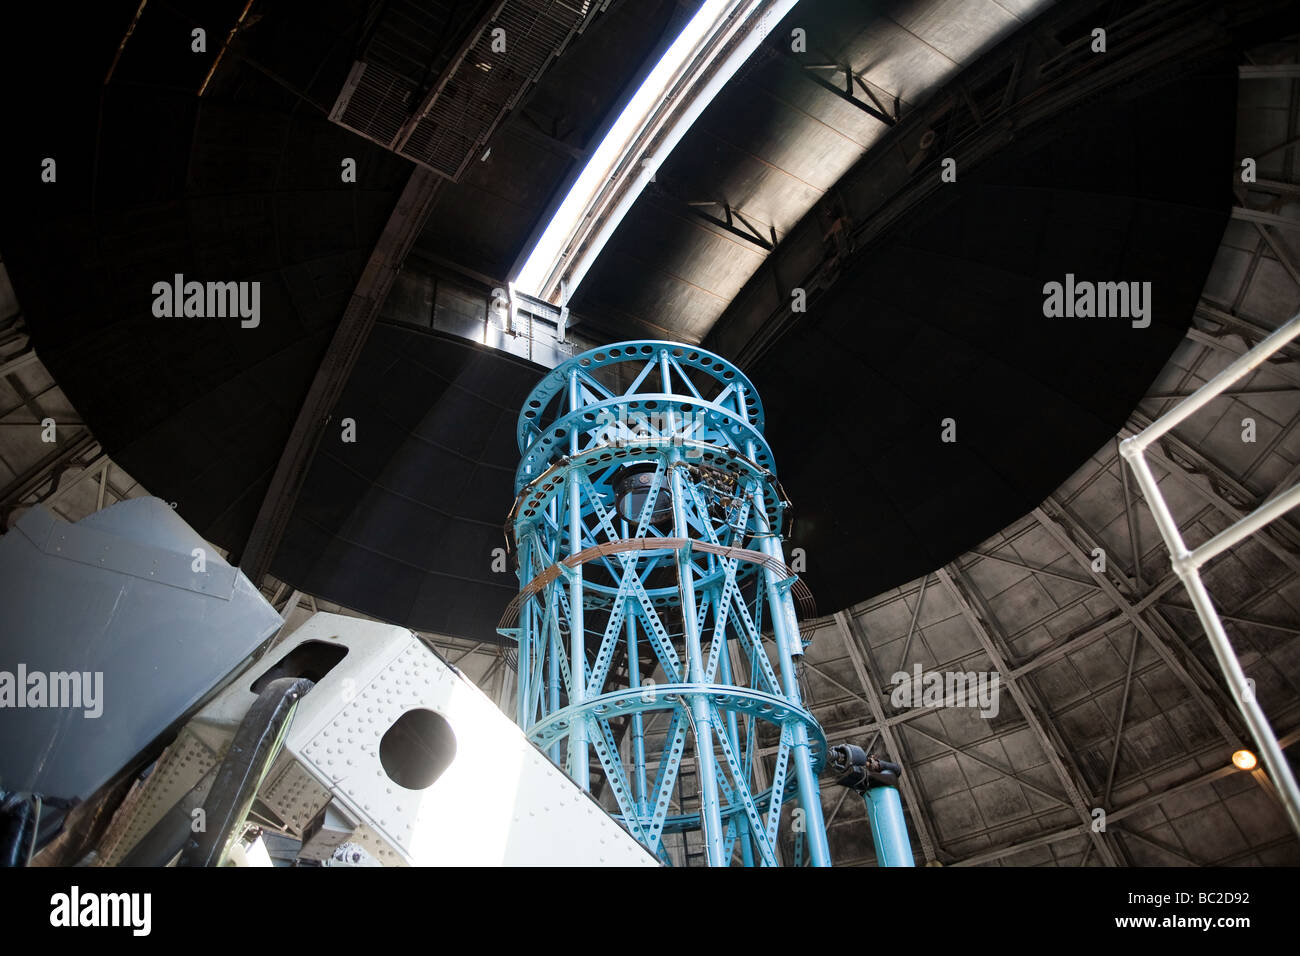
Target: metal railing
[{"x": 1187, "y": 563}]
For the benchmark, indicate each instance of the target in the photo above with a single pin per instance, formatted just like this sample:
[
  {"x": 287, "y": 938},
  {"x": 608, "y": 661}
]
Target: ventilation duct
[{"x": 432, "y": 82}]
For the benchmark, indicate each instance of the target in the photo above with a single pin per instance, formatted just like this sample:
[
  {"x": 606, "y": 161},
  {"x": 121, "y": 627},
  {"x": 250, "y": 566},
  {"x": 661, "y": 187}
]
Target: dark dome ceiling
[
  {"x": 939, "y": 317},
  {"x": 943, "y": 317}
]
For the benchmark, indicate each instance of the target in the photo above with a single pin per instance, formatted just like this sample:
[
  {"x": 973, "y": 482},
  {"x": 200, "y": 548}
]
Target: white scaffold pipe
[
  {"x": 1186, "y": 563},
  {"x": 1238, "y": 369}
]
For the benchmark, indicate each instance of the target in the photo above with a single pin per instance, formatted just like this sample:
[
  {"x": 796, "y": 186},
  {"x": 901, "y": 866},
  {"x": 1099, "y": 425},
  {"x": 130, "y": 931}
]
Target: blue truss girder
[{"x": 689, "y": 571}]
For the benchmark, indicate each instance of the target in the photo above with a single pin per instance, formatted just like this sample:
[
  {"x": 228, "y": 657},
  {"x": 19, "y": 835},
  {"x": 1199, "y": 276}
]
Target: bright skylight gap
[{"x": 539, "y": 274}]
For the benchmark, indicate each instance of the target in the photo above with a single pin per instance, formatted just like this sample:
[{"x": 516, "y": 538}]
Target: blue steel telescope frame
[{"x": 637, "y": 607}]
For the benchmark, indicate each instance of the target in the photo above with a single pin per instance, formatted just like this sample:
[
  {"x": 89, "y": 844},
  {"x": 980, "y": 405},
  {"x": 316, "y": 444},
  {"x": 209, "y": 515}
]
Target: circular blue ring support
[{"x": 647, "y": 529}]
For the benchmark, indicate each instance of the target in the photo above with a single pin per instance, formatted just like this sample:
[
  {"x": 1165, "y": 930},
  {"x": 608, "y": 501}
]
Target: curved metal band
[
  {"x": 556, "y": 382},
  {"x": 727, "y": 697},
  {"x": 532, "y": 497},
  {"x": 799, "y": 591},
  {"x": 552, "y": 443}
]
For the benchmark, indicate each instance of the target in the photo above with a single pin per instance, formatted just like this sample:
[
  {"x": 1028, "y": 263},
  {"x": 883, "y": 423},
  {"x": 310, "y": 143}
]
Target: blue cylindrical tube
[{"x": 888, "y": 828}]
